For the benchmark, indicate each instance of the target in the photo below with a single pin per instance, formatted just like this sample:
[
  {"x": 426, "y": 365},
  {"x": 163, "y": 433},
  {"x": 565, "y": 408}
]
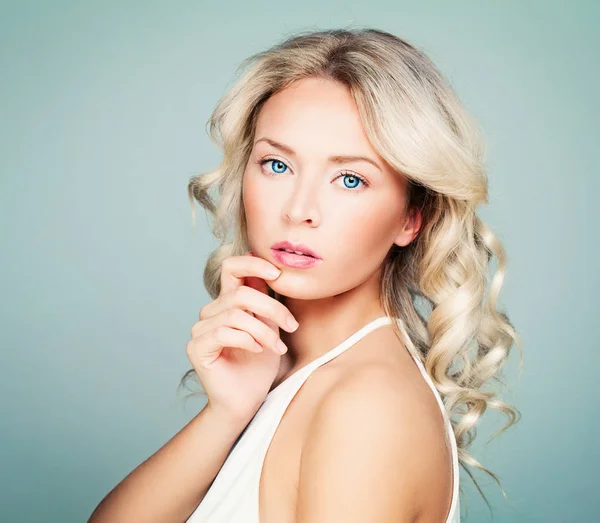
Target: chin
[
  {"x": 299, "y": 287},
  {"x": 298, "y": 290}
]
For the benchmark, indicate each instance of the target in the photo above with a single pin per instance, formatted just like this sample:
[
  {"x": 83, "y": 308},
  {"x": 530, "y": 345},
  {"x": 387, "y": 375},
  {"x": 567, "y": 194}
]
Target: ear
[{"x": 410, "y": 229}]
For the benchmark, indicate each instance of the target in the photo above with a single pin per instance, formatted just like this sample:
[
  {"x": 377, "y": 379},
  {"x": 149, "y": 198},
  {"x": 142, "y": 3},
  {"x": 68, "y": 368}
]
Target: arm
[
  {"x": 169, "y": 485},
  {"x": 367, "y": 456}
]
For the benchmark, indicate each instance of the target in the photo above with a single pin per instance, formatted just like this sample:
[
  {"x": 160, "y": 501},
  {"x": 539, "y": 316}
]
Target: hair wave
[{"x": 415, "y": 121}]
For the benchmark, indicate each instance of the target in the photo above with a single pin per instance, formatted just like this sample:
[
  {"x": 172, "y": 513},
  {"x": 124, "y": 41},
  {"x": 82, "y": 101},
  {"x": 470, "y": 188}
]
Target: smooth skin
[
  {"x": 375, "y": 448},
  {"x": 375, "y": 452}
]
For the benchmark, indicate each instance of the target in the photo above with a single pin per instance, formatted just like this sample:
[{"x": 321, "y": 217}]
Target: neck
[{"x": 326, "y": 322}]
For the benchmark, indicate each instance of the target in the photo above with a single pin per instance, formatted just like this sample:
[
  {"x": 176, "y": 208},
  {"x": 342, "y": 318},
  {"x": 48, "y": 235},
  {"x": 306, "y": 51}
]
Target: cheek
[
  {"x": 364, "y": 233},
  {"x": 258, "y": 215},
  {"x": 360, "y": 242},
  {"x": 251, "y": 197}
]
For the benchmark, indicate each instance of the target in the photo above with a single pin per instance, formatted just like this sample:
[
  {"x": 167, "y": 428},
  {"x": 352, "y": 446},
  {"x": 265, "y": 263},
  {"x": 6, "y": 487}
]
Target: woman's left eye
[
  {"x": 355, "y": 178},
  {"x": 279, "y": 167}
]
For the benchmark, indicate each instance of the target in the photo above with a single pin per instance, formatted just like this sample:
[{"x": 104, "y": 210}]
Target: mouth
[
  {"x": 297, "y": 249},
  {"x": 296, "y": 255}
]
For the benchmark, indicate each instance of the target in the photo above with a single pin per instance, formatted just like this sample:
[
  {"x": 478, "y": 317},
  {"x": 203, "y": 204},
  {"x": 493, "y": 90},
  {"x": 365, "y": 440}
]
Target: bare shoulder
[
  {"x": 396, "y": 401},
  {"x": 373, "y": 447}
]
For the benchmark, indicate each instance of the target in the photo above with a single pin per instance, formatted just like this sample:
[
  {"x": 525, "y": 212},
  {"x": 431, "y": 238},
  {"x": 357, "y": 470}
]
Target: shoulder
[
  {"x": 367, "y": 452},
  {"x": 397, "y": 402}
]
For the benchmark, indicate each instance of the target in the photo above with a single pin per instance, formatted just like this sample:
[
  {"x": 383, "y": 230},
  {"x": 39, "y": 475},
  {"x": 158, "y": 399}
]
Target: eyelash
[{"x": 344, "y": 173}]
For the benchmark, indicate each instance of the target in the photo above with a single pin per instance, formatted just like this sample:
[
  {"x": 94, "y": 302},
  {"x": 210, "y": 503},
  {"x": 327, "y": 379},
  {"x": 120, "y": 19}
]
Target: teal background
[{"x": 103, "y": 113}]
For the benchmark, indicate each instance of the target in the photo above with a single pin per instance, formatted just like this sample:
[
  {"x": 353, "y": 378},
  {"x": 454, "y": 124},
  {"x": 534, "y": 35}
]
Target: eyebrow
[{"x": 339, "y": 159}]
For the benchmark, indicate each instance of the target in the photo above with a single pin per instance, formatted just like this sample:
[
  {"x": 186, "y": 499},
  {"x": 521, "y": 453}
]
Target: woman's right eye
[{"x": 277, "y": 165}]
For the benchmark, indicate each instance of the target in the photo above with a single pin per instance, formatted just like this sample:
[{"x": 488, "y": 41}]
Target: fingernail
[
  {"x": 281, "y": 348},
  {"x": 273, "y": 272},
  {"x": 292, "y": 323}
]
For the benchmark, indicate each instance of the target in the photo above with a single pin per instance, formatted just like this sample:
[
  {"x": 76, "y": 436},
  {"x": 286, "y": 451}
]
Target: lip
[
  {"x": 300, "y": 247},
  {"x": 297, "y": 261}
]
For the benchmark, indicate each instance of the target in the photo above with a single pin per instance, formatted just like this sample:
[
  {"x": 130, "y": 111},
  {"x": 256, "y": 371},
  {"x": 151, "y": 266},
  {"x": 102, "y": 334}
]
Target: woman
[{"x": 350, "y": 179}]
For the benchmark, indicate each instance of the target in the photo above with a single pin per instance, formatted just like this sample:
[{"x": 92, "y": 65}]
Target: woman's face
[{"x": 349, "y": 212}]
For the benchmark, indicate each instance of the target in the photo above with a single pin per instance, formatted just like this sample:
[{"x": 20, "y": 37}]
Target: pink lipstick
[{"x": 296, "y": 255}]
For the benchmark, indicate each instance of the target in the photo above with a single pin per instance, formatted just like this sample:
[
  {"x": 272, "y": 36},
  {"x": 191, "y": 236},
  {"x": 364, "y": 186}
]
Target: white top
[{"x": 233, "y": 495}]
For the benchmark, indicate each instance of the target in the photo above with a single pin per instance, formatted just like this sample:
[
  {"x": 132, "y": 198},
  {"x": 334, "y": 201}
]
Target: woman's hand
[{"x": 234, "y": 346}]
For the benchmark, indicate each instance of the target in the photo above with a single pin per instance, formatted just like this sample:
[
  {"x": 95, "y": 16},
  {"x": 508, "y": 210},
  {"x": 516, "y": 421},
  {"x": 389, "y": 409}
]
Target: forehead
[{"x": 314, "y": 116}]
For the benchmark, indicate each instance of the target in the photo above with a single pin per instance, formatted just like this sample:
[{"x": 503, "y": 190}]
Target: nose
[{"x": 302, "y": 204}]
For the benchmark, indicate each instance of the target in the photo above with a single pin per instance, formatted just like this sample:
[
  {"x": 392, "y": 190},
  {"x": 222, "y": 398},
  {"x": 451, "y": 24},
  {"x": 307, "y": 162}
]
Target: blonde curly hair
[{"x": 414, "y": 121}]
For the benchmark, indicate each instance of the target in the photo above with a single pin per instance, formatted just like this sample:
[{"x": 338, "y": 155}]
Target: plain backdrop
[{"x": 103, "y": 113}]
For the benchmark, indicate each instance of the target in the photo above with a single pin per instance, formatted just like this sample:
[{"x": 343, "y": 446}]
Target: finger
[
  {"x": 261, "y": 285},
  {"x": 235, "y": 269},
  {"x": 241, "y": 320},
  {"x": 253, "y": 301},
  {"x": 213, "y": 342},
  {"x": 255, "y": 282}
]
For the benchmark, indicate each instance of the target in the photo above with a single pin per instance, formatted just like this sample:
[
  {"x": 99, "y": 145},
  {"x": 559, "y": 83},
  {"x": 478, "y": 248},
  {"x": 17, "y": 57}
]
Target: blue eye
[
  {"x": 279, "y": 168},
  {"x": 278, "y": 163},
  {"x": 353, "y": 177}
]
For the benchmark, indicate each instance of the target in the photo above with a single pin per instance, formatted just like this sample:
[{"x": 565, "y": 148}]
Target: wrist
[{"x": 236, "y": 421}]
